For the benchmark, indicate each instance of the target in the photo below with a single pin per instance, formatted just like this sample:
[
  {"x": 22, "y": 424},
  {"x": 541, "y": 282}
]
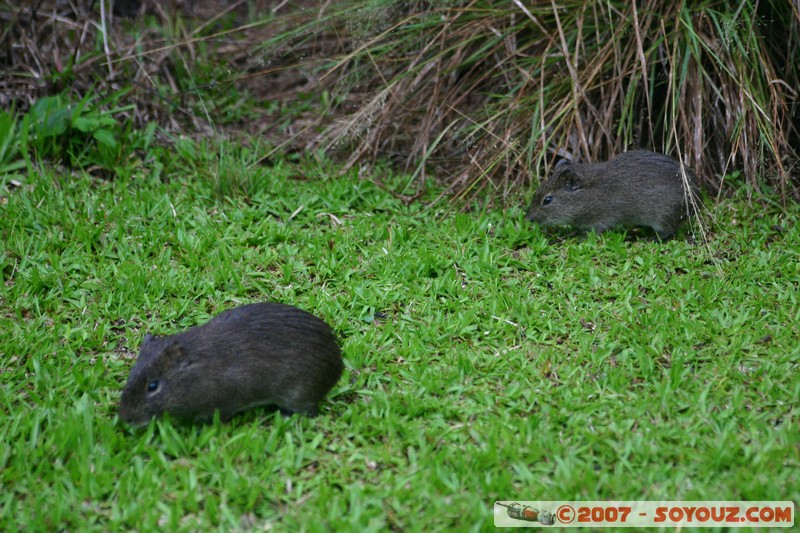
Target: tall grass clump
[
  {"x": 494, "y": 92},
  {"x": 488, "y": 94}
]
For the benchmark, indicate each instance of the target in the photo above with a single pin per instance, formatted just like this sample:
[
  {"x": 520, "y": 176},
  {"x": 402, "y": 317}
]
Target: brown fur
[
  {"x": 257, "y": 354},
  {"x": 636, "y": 188}
]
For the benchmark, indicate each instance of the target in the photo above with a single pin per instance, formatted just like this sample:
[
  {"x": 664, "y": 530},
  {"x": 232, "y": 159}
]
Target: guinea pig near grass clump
[
  {"x": 257, "y": 354},
  {"x": 636, "y": 188}
]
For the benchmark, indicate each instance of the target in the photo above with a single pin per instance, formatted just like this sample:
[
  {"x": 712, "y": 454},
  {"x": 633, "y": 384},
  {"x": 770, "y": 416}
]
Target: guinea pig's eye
[
  {"x": 547, "y": 200},
  {"x": 153, "y": 386}
]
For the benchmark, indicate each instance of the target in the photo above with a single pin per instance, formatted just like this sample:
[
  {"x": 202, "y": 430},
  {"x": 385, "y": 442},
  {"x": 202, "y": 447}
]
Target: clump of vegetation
[
  {"x": 500, "y": 90},
  {"x": 481, "y": 91}
]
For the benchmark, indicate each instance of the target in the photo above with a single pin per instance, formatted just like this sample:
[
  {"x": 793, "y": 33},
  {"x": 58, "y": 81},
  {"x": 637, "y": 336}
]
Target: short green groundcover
[{"x": 486, "y": 360}]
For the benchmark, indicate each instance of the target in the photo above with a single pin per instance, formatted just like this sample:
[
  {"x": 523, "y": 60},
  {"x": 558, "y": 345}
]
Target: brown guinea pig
[
  {"x": 636, "y": 188},
  {"x": 257, "y": 354}
]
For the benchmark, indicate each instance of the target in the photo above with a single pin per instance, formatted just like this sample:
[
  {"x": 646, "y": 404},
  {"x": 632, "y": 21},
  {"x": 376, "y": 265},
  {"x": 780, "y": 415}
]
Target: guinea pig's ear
[
  {"x": 572, "y": 181},
  {"x": 173, "y": 354},
  {"x": 148, "y": 339},
  {"x": 562, "y": 163}
]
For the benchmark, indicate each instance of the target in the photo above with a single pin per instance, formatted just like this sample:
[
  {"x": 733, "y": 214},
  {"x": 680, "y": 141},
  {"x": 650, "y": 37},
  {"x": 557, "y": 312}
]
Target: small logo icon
[
  {"x": 527, "y": 513},
  {"x": 566, "y": 514}
]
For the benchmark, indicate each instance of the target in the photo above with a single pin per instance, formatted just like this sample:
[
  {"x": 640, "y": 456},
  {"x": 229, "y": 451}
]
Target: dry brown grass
[{"x": 487, "y": 94}]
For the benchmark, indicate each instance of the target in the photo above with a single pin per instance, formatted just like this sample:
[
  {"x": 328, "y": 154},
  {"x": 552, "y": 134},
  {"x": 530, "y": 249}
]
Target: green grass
[{"x": 485, "y": 359}]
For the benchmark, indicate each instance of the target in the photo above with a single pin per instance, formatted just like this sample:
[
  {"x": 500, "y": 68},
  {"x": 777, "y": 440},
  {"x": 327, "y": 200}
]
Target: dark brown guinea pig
[
  {"x": 257, "y": 354},
  {"x": 636, "y": 188}
]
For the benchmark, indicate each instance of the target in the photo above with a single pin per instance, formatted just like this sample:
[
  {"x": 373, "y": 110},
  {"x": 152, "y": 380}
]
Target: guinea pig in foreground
[
  {"x": 257, "y": 354},
  {"x": 636, "y": 188}
]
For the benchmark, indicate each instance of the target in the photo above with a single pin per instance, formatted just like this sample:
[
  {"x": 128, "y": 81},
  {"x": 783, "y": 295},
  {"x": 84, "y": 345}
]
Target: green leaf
[
  {"x": 51, "y": 115},
  {"x": 106, "y": 121},
  {"x": 8, "y": 145},
  {"x": 105, "y": 137},
  {"x": 86, "y": 124}
]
